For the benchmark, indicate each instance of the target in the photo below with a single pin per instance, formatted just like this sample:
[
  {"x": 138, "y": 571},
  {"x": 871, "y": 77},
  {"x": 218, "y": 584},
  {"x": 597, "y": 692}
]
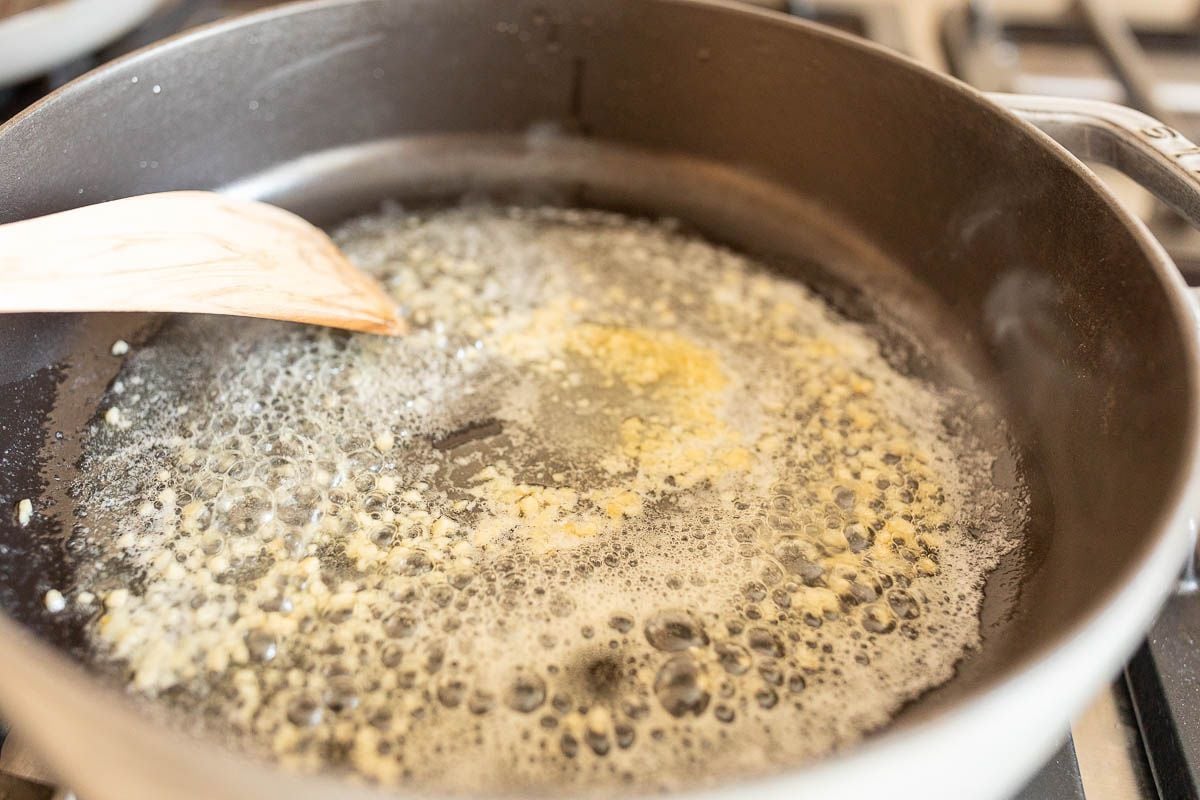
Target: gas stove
[{"x": 1140, "y": 738}]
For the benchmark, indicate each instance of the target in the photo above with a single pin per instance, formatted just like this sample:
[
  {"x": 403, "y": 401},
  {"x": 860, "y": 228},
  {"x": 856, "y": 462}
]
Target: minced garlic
[
  {"x": 24, "y": 512},
  {"x": 623, "y": 504}
]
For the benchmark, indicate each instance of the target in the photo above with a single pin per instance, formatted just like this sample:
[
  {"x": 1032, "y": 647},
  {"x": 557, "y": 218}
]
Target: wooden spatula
[{"x": 196, "y": 252}]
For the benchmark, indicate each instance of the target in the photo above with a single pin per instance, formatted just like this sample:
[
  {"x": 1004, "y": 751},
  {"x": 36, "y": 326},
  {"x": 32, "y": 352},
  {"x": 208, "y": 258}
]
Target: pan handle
[
  {"x": 1161, "y": 159},
  {"x": 1155, "y": 155}
]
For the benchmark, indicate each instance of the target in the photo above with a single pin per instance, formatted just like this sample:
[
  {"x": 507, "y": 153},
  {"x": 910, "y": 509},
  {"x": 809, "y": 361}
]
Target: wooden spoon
[{"x": 196, "y": 252}]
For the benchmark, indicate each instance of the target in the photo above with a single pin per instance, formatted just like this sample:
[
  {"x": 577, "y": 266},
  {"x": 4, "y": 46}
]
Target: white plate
[{"x": 35, "y": 41}]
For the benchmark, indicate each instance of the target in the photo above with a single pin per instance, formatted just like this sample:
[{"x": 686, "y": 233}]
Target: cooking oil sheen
[{"x": 627, "y": 510}]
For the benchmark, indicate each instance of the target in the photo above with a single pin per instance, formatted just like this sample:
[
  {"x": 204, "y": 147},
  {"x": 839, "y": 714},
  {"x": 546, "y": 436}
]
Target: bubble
[
  {"x": 673, "y": 630},
  {"x": 199, "y": 516},
  {"x": 782, "y": 504},
  {"x": 277, "y": 603},
  {"x": 276, "y": 472},
  {"x": 598, "y": 742},
  {"x": 766, "y": 697},
  {"x": 903, "y": 604},
  {"x": 844, "y": 498},
  {"x": 451, "y": 693},
  {"x": 383, "y": 536},
  {"x": 635, "y": 709},
  {"x": 441, "y": 595},
  {"x": 212, "y": 543},
  {"x": 261, "y": 645},
  {"x": 878, "y": 620},
  {"x": 416, "y": 563},
  {"x": 481, "y": 702},
  {"x": 561, "y": 605},
  {"x": 244, "y": 509},
  {"x": 223, "y": 462},
  {"x": 341, "y": 694},
  {"x": 391, "y": 655},
  {"x": 622, "y": 623},
  {"x": 435, "y": 656},
  {"x": 381, "y": 718},
  {"x": 338, "y": 615},
  {"x": 754, "y": 591},
  {"x": 680, "y": 687},
  {"x": 765, "y": 643},
  {"x": 400, "y": 625},
  {"x": 294, "y": 545},
  {"x": 782, "y": 524},
  {"x": 526, "y": 693},
  {"x": 800, "y": 557},
  {"x": 771, "y": 674},
  {"x": 771, "y": 574},
  {"x": 304, "y": 713},
  {"x": 733, "y": 658},
  {"x": 857, "y": 537}
]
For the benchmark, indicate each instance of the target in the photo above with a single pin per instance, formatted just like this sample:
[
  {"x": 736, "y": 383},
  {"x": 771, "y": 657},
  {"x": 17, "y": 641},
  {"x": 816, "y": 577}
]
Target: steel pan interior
[{"x": 831, "y": 158}]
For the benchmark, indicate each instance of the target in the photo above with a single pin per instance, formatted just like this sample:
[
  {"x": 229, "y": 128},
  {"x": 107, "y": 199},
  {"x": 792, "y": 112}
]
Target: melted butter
[{"x": 626, "y": 510}]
